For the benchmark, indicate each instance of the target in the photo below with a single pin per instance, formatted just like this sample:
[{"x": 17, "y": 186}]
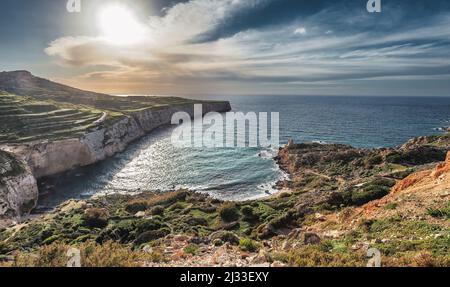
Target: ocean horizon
[{"x": 153, "y": 164}]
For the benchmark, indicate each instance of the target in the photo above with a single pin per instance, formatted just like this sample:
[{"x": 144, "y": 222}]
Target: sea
[{"x": 155, "y": 164}]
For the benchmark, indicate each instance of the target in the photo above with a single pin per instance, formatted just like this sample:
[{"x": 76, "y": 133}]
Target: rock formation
[
  {"x": 18, "y": 188},
  {"x": 60, "y": 143}
]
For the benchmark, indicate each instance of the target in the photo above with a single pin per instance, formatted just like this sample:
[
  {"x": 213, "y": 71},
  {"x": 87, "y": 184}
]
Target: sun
[{"x": 120, "y": 26}]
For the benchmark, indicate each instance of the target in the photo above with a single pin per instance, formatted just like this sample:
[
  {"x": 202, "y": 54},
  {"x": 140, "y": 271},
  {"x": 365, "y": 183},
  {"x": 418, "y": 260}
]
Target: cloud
[
  {"x": 300, "y": 31},
  {"x": 202, "y": 43}
]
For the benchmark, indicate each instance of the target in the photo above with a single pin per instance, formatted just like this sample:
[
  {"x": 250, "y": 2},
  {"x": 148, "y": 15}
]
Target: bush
[
  {"x": 440, "y": 212},
  {"x": 249, "y": 213},
  {"x": 280, "y": 221},
  {"x": 226, "y": 236},
  {"x": 368, "y": 194},
  {"x": 157, "y": 210},
  {"x": 391, "y": 206},
  {"x": 142, "y": 225},
  {"x": 373, "y": 190},
  {"x": 109, "y": 254},
  {"x": 95, "y": 218},
  {"x": 374, "y": 160},
  {"x": 134, "y": 207},
  {"x": 151, "y": 235},
  {"x": 197, "y": 221},
  {"x": 191, "y": 249},
  {"x": 417, "y": 156},
  {"x": 247, "y": 244},
  {"x": 229, "y": 212}
]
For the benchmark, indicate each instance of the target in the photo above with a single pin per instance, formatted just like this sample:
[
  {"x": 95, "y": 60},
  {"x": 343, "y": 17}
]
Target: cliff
[
  {"x": 47, "y": 158},
  {"x": 340, "y": 202},
  {"x": 55, "y": 128},
  {"x": 18, "y": 189}
]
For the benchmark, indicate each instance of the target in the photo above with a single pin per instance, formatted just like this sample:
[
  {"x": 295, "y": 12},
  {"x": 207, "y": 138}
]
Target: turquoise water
[{"x": 153, "y": 163}]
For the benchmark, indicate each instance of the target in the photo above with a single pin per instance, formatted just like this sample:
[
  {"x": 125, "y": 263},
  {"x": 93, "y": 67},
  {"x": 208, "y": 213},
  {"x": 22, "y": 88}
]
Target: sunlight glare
[{"x": 119, "y": 26}]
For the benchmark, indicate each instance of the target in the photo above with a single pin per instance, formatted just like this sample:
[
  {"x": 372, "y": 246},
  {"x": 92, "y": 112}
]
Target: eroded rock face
[
  {"x": 18, "y": 187},
  {"x": 442, "y": 168},
  {"x": 50, "y": 158}
]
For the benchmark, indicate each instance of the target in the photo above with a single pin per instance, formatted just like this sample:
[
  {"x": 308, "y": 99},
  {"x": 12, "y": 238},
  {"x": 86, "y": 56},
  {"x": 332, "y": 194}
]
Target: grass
[
  {"x": 191, "y": 249},
  {"x": 24, "y": 119},
  {"x": 109, "y": 254},
  {"x": 440, "y": 212},
  {"x": 249, "y": 245},
  {"x": 31, "y": 117}
]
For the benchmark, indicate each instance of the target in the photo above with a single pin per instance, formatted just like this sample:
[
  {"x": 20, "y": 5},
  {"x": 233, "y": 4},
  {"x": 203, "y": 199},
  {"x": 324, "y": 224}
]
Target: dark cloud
[{"x": 397, "y": 13}]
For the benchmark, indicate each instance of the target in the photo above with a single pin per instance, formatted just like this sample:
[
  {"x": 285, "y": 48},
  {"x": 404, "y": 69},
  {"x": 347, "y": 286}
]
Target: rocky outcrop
[
  {"x": 18, "y": 188},
  {"x": 53, "y": 157},
  {"x": 418, "y": 178},
  {"x": 442, "y": 168}
]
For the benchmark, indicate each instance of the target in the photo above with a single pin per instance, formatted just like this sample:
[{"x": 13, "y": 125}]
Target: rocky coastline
[
  {"x": 339, "y": 202},
  {"x": 123, "y": 120}
]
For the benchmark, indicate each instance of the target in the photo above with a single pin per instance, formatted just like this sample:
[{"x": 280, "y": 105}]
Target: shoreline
[
  {"x": 317, "y": 220},
  {"x": 54, "y": 157}
]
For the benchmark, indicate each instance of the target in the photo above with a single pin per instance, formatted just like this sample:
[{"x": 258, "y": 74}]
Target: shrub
[
  {"x": 157, "y": 210},
  {"x": 229, "y": 212},
  {"x": 368, "y": 194},
  {"x": 191, "y": 249},
  {"x": 95, "y": 218},
  {"x": 151, "y": 235},
  {"x": 321, "y": 256},
  {"x": 440, "y": 212},
  {"x": 197, "y": 221},
  {"x": 391, "y": 206},
  {"x": 374, "y": 160},
  {"x": 136, "y": 206},
  {"x": 280, "y": 221},
  {"x": 142, "y": 225},
  {"x": 226, "y": 236},
  {"x": 249, "y": 213},
  {"x": 417, "y": 156},
  {"x": 109, "y": 254},
  {"x": 373, "y": 190},
  {"x": 247, "y": 244}
]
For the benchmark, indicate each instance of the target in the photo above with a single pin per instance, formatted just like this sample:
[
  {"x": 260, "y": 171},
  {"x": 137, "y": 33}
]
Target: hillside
[
  {"x": 52, "y": 128},
  {"x": 23, "y": 83},
  {"x": 36, "y": 109},
  {"x": 340, "y": 202},
  {"x": 25, "y": 119}
]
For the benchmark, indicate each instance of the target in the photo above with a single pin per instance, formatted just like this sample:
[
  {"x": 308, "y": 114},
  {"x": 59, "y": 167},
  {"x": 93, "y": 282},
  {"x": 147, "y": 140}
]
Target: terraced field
[
  {"x": 24, "y": 119},
  {"x": 36, "y": 109}
]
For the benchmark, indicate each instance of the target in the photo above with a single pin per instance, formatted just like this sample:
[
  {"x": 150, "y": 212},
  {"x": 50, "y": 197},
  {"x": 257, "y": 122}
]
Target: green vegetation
[
  {"x": 229, "y": 212},
  {"x": 417, "y": 156},
  {"x": 371, "y": 191},
  {"x": 24, "y": 83},
  {"x": 329, "y": 185},
  {"x": 440, "y": 212},
  {"x": 9, "y": 166},
  {"x": 24, "y": 119},
  {"x": 191, "y": 249},
  {"x": 247, "y": 244},
  {"x": 109, "y": 254}
]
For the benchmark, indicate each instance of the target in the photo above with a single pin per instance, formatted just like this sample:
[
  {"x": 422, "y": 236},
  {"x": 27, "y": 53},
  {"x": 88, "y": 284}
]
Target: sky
[{"x": 232, "y": 47}]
